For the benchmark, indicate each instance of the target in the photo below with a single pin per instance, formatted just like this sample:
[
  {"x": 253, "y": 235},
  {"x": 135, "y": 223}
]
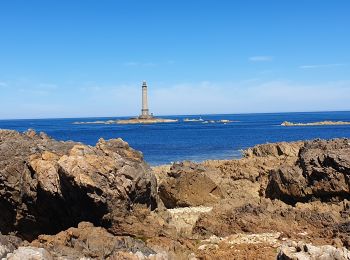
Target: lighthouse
[{"x": 145, "y": 111}]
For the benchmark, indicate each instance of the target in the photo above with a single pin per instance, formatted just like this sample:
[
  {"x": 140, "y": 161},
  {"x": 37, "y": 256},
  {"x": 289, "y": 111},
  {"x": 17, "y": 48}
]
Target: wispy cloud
[
  {"x": 260, "y": 58},
  {"x": 317, "y": 66}
]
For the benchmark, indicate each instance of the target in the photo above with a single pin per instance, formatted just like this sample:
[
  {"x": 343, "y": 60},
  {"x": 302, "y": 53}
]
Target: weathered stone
[
  {"x": 47, "y": 186},
  {"x": 303, "y": 251},
  {"x": 274, "y": 149},
  {"x": 188, "y": 186},
  {"x": 8, "y": 244},
  {"x": 322, "y": 172},
  {"x": 30, "y": 253},
  {"x": 90, "y": 242}
]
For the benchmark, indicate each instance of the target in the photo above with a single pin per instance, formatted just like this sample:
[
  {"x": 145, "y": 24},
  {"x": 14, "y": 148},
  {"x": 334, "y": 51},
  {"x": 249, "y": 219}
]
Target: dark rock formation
[
  {"x": 186, "y": 185},
  {"x": 321, "y": 173},
  {"x": 47, "y": 186}
]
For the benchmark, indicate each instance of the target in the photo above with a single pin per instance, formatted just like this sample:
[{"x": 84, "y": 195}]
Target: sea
[{"x": 165, "y": 143}]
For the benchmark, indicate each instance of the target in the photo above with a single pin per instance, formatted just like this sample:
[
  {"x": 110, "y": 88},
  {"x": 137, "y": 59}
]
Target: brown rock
[
  {"x": 186, "y": 185},
  {"x": 90, "y": 242},
  {"x": 47, "y": 186},
  {"x": 321, "y": 173}
]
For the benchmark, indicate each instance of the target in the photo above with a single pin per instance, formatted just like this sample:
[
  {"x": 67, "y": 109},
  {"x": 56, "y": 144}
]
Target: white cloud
[
  {"x": 317, "y": 66},
  {"x": 261, "y": 58}
]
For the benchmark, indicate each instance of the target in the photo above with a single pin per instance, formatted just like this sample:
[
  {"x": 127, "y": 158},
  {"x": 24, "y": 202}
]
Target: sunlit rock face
[{"x": 47, "y": 186}]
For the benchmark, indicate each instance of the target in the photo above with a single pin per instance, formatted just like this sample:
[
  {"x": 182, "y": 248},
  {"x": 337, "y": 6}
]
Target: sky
[{"x": 88, "y": 58}]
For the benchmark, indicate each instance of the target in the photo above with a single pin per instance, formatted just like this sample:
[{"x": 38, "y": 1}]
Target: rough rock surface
[
  {"x": 29, "y": 253},
  {"x": 304, "y": 251},
  {"x": 218, "y": 209},
  {"x": 247, "y": 206},
  {"x": 8, "y": 244},
  {"x": 274, "y": 149},
  {"x": 188, "y": 186},
  {"x": 92, "y": 243},
  {"x": 321, "y": 173},
  {"x": 47, "y": 186}
]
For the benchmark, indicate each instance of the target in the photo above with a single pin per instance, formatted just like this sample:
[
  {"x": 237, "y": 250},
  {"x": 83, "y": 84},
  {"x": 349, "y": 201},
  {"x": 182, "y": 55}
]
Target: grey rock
[
  {"x": 8, "y": 244},
  {"x": 29, "y": 253},
  {"x": 304, "y": 251}
]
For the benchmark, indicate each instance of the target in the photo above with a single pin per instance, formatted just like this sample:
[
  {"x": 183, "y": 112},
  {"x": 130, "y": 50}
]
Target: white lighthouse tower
[{"x": 145, "y": 111}]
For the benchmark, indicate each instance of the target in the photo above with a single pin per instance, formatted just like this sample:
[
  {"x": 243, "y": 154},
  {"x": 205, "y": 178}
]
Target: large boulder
[
  {"x": 47, "y": 186},
  {"x": 322, "y": 172},
  {"x": 187, "y": 184}
]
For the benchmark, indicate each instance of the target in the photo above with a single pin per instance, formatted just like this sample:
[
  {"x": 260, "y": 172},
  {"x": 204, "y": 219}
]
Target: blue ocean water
[{"x": 169, "y": 142}]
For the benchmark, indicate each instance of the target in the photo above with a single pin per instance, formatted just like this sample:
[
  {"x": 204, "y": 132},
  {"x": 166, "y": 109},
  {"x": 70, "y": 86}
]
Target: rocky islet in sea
[
  {"x": 66, "y": 200},
  {"x": 321, "y": 123}
]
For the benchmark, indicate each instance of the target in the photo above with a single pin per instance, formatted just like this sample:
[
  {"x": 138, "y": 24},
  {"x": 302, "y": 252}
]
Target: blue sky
[{"x": 61, "y": 58}]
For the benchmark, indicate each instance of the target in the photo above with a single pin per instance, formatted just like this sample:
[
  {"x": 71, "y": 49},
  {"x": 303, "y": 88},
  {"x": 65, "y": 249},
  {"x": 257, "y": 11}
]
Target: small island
[
  {"x": 286, "y": 123},
  {"x": 136, "y": 120},
  {"x": 193, "y": 120}
]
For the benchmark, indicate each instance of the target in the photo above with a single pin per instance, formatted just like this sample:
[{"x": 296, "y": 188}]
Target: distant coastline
[
  {"x": 152, "y": 120},
  {"x": 286, "y": 123}
]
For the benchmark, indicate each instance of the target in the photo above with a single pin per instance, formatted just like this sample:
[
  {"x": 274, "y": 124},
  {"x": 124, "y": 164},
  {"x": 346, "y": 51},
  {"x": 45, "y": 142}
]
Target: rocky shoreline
[{"x": 66, "y": 200}]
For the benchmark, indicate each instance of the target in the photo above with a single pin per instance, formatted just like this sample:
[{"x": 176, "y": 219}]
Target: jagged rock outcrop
[
  {"x": 274, "y": 149},
  {"x": 187, "y": 185},
  {"x": 47, "y": 186},
  {"x": 321, "y": 173}
]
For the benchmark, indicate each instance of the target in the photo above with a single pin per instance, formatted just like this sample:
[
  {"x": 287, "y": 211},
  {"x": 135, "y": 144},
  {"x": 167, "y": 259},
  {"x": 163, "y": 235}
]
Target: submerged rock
[{"x": 47, "y": 186}]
